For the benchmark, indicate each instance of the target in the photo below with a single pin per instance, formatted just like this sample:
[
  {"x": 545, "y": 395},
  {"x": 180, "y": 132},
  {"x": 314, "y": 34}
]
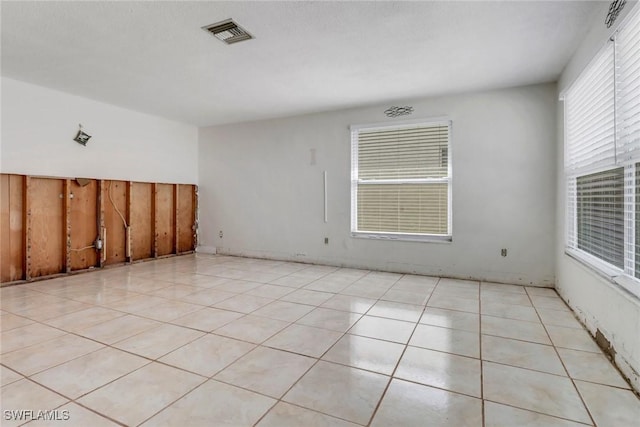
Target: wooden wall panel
[
  {"x": 11, "y": 228},
  {"x": 165, "y": 219},
  {"x": 115, "y": 193},
  {"x": 84, "y": 225},
  {"x": 47, "y": 226},
  {"x": 142, "y": 222},
  {"x": 186, "y": 217}
]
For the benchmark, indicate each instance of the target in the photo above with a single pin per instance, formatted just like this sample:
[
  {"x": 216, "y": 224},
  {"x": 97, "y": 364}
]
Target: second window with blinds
[{"x": 401, "y": 181}]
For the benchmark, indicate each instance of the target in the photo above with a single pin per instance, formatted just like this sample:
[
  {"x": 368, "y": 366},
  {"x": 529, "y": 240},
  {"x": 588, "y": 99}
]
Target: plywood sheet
[
  {"x": 115, "y": 196},
  {"x": 165, "y": 219},
  {"x": 47, "y": 227},
  {"x": 84, "y": 225},
  {"x": 141, "y": 220},
  {"x": 186, "y": 217},
  {"x": 11, "y": 228}
]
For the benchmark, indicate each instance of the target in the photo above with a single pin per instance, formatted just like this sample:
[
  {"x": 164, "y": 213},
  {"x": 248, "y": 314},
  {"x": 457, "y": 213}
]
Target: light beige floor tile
[
  {"x": 135, "y": 303},
  {"x": 39, "y": 357},
  {"x": 287, "y": 415},
  {"x": 27, "y": 395},
  {"x": 548, "y": 302},
  {"x": 451, "y": 319},
  {"x": 118, "y": 329},
  {"x": 497, "y": 415},
  {"x": 396, "y": 310},
  {"x": 592, "y": 367},
  {"x": 456, "y": 292},
  {"x": 500, "y": 287},
  {"x": 25, "y": 336},
  {"x": 349, "y": 303},
  {"x": 266, "y": 371},
  {"x": 305, "y": 340},
  {"x": 207, "y": 355},
  {"x": 509, "y": 311},
  {"x": 454, "y": 303},
  {"x": 559, "y": 318},
  {"x": 329, "y": 284},
  {"x": 365, "y": 291},
  {"x": 207, "y": 319},
  {"x": 214, "y": 404},
  {"x": 305, "y": 296},
  {"x": 327, "y": 318},
  {"x": 168, "y": 311},
  {"x": 83, "y": 319},
  {"x": 408, "y": 404},
  {"x": 237, "y": 286},
  {"x": 243, "y": 303},
  {"x": 207, "y": 297},
  {"x": 175, "y": 291},
  {"x": 522, "y": 354},
  {"x": 84, "y": 374},
  {"x": 545, "y": 292},
  {"x": 516, "y": 329},
  {"x": 610, "y": 406},
  {"x": 10, "y": 321},
  {"x": 501, "y": 297},
  {"x": 159, "y": 384},
  {"x": 384, "y": 329},
  {"x": 470, "y": 285},
  {"x": 254, "y": 329},
  {"x": 536, "y": 391},
  {"x": 405, "y": 297},
  {"x": 77, "y": 416},
  {"x": 365, "y": 353},
  {"x": 104, "y": 296},
  {"x": 347, "y": 393},
  {"x": 270, "y": 291},
  {"x": 7, "y": 376},
  {"x": 572, "y": 338},
  {"x": 442, "y": 370},
  {"x": 448, "y": 340},
  {"x": 292, "y": 281},
  {"x": 283, "y": 310},
  {"x": 56, "y": 309},
  {"x": 159, "y": 341}
]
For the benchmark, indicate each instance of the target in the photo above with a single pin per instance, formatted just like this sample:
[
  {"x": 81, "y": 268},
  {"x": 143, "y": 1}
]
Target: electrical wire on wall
[{"x": 124, "y": 221}]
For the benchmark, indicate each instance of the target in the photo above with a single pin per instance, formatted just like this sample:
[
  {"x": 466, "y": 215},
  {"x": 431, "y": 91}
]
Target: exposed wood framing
[{"x": 49, "y": 226}]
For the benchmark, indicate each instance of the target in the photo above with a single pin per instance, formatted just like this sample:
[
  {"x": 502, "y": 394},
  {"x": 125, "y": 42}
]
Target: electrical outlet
[
  {"x": 220, "y": 234},
  {"x": 503, "y": 252},
  {"x": 326, "y": 240}
]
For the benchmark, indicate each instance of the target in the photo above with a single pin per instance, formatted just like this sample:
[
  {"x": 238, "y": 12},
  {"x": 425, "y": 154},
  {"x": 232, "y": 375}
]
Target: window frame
[
  {"x": 355, "y": 181},
  {"x": 624, "y": 277}
]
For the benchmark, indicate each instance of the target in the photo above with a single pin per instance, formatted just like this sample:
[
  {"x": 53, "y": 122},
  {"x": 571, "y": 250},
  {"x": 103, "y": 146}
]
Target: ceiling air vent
[{"x": 228, "y": 31}]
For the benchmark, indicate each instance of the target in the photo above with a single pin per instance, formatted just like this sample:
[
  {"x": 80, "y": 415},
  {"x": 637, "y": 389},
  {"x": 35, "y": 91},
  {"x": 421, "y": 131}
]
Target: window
[
  {"x": 401, "y": 181},
  {"x": 602, "y": 159}
]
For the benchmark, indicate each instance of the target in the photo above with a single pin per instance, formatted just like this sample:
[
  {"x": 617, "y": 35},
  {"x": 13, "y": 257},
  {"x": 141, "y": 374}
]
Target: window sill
[
  {"x": 613, "y": 275},
  {"x": 424, "y": 238}
]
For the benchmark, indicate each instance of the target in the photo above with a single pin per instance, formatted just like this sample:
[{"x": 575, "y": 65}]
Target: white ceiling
[{"x": 307, "y": 56}]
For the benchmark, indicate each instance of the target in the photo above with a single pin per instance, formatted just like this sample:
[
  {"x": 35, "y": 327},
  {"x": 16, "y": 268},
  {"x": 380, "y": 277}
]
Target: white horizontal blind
[
  {"x": 600, "y": 215},
  {"x": 590, "y": 118},
  {"x": 400, "y": 180},
  {"x": 628, "y": 90},
  {"x": 627, "y": 43},
  {"x": 589, "y": 130}
]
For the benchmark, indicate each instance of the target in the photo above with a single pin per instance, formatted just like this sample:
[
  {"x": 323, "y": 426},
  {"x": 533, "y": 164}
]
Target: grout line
[{"x": 575, "y": 387}]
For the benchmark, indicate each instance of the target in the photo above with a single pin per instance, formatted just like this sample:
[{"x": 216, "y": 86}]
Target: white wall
[
  {"x": 39, "y": 124},
  {"x": 257, "y": 186},
  {"x": 599, "y": 303}
]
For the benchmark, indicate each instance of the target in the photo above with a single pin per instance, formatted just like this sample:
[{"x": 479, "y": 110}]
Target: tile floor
[{"x": 222, "y": 341}]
